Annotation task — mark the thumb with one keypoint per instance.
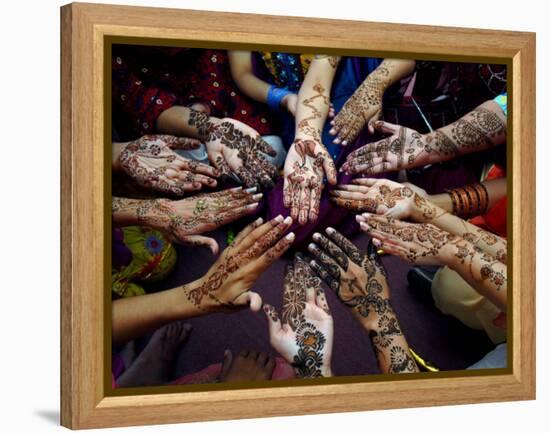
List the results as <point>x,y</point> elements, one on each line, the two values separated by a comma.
<point>365,181</point>
<point>273,322</point>
<point>198,240</point>
<point>249,298</point>
<point>330,169</point>
<point>227,362</point>
<point>373,120</point>
<point>386,127</point>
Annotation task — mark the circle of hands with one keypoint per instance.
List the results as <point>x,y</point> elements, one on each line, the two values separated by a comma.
<point>303,334</point>
<point>153,163</point>
<point>306,164</point>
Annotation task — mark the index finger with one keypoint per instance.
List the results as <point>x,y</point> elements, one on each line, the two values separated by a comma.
<point>293,299</point>
<point>345,244</point>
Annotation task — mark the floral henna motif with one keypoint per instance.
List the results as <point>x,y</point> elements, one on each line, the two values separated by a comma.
<point>364,104</point>
<point>304,125</point>
<point>294,300</point>
<point>361,284</point>
<point>189,216</point>
<point>309,360</point>
<point>401,361</point>
<point>152,163</point>
<point>237,149</point>
<point>388,328</point>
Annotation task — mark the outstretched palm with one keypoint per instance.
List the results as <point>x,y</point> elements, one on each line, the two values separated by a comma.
<point>152,163</point>
<point>304,333</point>
<point>234,147</point>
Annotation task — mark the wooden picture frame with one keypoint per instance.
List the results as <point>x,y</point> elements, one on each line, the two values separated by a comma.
<point>84,188</point>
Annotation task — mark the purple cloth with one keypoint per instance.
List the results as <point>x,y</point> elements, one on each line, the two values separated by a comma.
<point>121,254</point>
<point>441,339</point>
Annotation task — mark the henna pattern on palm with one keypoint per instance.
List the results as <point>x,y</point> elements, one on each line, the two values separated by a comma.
<point>309,359</point>
<point>304,338</point>
<point>304,179</point>
<point>380,198</point>
<point>152,163</point>
<point>235,147</point>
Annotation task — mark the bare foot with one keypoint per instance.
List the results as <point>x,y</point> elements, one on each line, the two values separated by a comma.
<point>155,364</point>
<point>248,366</point>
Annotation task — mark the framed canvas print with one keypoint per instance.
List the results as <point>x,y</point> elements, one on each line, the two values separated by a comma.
<point>270,216</point>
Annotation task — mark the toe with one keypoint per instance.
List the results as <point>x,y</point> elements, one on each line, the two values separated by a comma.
<point>262,358</point>
<point>227,362</point>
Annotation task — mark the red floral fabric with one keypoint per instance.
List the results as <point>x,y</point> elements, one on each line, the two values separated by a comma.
<point>148,80</point>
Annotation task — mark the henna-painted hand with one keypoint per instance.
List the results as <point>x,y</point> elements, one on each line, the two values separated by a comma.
<point>152,163</point>
<point>364,106</point>
<point>385,197</point>
<point>234,147</point>
<point>306,164</point>
<point>184,220</point>
<point>304,334</point>
<point>226,286</point>
<point>358,278</point>
<point>422,244</point>
<point>404,148</point>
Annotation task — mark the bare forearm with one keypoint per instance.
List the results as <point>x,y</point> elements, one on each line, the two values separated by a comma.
<point>241,71</point>
<point>138,315</point>
<point>314,98</point>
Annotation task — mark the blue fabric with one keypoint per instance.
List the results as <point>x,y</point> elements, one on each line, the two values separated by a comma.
<point>494,359</point>
<point>274,97</point>
<point>502,101</point>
